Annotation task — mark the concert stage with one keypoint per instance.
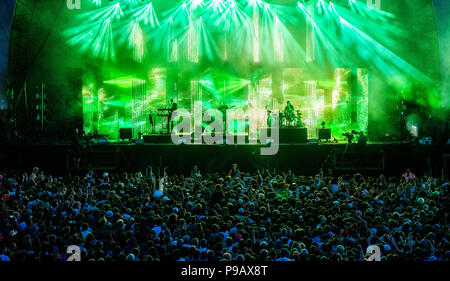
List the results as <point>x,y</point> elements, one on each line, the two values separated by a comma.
<point>302,158</point>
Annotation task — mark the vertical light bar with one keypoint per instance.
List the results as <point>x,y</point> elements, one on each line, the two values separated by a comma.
<point>311,116</point>
<point>100,96</point>
<point>117,128</point>
<point>138,103</point>
<point>137,41</point>
<point>171,43</point>
<point>134,104</point>
<point>341,101</point>
<point>278,41</point>
<point>363,101</point>
<point>264,96</point>
<point>335,95</point>
<point>252,111</point>
<point>193,39</point>
<point>256,36</point>
<point>198,38</point>
<point>310,34</point>
<point>225,48</point>
<point>155,97</point>
<point>196,109</point>
<point>88,111</point>
<point>174,54</point>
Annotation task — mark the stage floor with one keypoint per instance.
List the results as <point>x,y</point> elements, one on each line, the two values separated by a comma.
<point>390,158</point>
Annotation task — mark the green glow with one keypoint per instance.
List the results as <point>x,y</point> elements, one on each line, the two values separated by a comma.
<point>124,82</point>
<point>137,41</point>
<point>97,3</point>
<point>227,52</point>
<point>146,15</point>
<point>363,101</point>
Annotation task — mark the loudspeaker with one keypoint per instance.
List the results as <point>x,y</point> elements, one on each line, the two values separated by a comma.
<point>126,133</point>
<point>324,134</point>
<point>157,138</point>
<point>292,135</point>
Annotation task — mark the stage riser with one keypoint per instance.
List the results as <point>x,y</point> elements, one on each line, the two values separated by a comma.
<point>286,135</point>
<point>293,135</point>
<point>304,159</point>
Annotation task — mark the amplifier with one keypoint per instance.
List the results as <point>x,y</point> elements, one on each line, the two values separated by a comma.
<point>324,133</point>
<point>293,135</point>
<point>126,133</point>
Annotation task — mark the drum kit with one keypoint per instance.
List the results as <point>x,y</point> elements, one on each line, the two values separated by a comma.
<point>287,118</point>
<point>165,113</point>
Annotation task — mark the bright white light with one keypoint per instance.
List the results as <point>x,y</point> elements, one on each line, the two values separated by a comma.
<point>196,3</point>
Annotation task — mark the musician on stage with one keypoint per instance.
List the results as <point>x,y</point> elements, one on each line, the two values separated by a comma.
<point>172,107</point>
<point>289,112</point>
<point>269,117</point>
<point>223,108</point>
<point>150,120</point>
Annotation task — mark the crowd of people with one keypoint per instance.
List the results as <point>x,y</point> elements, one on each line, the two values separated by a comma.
<point>233,216</point>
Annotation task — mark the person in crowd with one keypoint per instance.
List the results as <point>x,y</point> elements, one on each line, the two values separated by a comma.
<point>196,172</point>
<point>262,216</point>
<point>408,175</point>
<point>90,174</point>
<point>234,172</point>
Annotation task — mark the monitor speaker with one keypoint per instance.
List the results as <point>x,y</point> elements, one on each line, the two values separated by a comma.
<point>126,133</point>
<point>293,135</point>
<point>324,134</point>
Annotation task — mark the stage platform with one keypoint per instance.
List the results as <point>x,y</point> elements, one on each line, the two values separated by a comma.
<point>302,158</point>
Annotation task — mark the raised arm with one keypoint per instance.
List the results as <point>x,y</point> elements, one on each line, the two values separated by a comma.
<point>369,239</point>
<point>163,180</point>
<point>361,252</point>
<point>260,178</point>
<point>393,243</point>
<point>152,176</point>
<point>321,175</point>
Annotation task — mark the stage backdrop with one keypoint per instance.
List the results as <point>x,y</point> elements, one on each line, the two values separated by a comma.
<point>348,63</point>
